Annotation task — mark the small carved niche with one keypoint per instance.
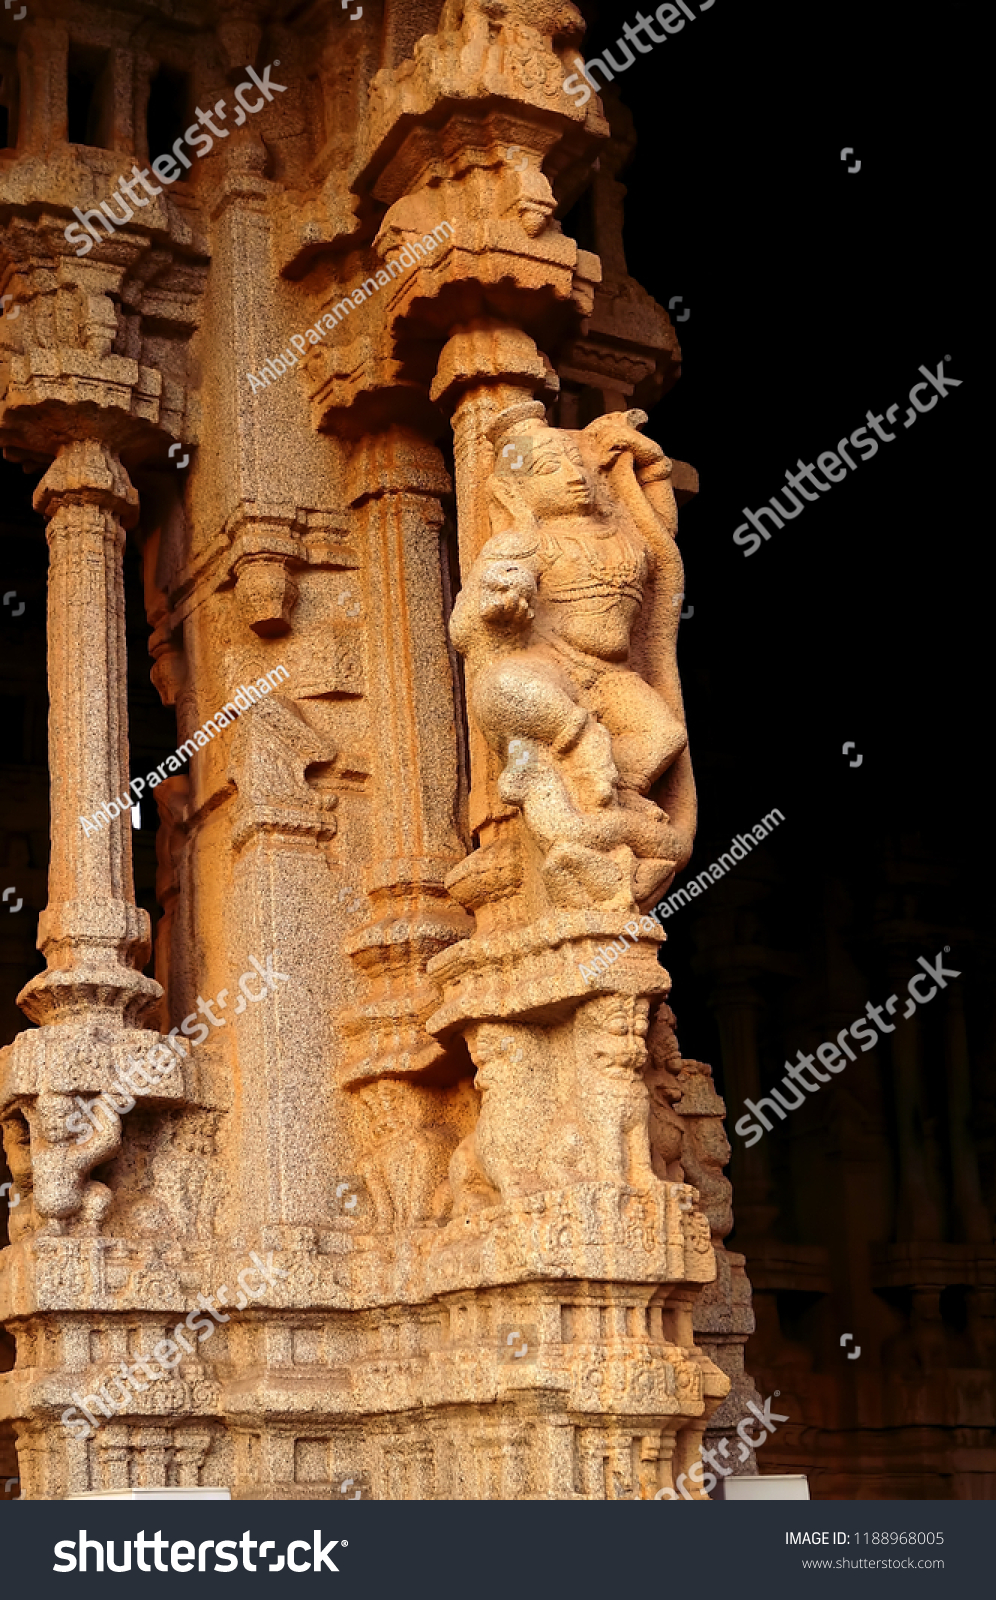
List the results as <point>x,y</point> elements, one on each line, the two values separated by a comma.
<point>89,96</point>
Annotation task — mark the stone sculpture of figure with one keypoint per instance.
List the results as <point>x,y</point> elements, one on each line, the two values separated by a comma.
<point>610,1054</point>
<point>510,1153</point>
<point>405,1164</point>
<point>65,1197</point>
<point>567,624</point>
<point>524,28</point>
<point>21,1217</point>
<point>560,1106</point>
<point>687,1139</point>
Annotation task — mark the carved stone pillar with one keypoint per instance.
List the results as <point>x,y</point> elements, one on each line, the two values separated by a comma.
<point>404,1133</point>
<point>279,826</point>
<point>92,997</point>
<point>688,1140</point>
<point>436,1107</point>
<point>92,934</point>
<point>566,629</point>
<point>91,1000</point>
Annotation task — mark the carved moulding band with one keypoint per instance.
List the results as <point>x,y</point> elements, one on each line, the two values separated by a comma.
<point>76,1058</point>
<point>535,970</point>
<point>590,1232</point>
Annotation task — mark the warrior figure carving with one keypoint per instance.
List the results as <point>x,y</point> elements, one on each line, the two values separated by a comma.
<point>568,627</point>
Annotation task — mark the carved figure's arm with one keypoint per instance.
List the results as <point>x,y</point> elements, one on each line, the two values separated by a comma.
<point>637,474</point>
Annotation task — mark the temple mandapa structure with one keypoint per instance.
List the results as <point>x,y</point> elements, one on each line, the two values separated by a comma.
<point>387,1170</point>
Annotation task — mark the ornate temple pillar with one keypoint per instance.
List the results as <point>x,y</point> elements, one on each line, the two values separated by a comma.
<point>92,998</point>
<point>91,933</point>
<point>279,829</point>
<point>721,1314</point>
<point>533,1223</point>
<point>84,386</point>
<point>404,1134</point>
<point>442,1122</point>
<point>554,1022</point>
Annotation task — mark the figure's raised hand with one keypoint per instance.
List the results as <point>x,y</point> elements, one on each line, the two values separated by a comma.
<point>616,433</point>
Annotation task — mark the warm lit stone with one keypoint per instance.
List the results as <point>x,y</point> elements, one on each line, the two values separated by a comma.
<point>433,1145</point>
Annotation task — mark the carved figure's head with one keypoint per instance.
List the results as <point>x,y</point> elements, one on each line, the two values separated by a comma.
<point>539,474</point>
<point>499,1055</point>
<point>611,1031</point>
<point>51,1113</point>
<point>395,1107</point>
<point>383,1100</point>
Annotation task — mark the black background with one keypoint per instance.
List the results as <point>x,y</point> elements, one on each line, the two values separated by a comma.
<point>815,295</point>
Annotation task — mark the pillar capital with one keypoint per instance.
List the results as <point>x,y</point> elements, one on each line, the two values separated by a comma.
<point>86,472</point>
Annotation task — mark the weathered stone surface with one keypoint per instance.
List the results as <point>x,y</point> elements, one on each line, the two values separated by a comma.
<point>436,1110</point>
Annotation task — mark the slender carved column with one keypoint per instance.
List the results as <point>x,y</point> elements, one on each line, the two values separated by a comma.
<point>405,1138</point>
<point>280,824</point>
<point>91,998</point>
<point>91,932</point>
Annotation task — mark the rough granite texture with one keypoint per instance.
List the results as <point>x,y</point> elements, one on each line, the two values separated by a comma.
<point>461,1122</point>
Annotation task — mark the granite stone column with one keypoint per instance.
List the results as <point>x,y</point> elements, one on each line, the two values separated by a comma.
<point>91,932</point>
<point>91,998</point>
